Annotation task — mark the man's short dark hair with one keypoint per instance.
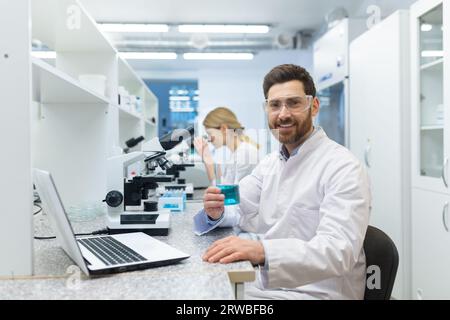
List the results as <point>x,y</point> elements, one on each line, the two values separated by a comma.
<point>288,72</point>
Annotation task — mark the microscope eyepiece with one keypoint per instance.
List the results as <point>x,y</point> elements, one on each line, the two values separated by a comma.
<point>133,142</point>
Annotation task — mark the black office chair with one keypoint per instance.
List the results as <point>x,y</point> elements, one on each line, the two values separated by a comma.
<point>380,251</point>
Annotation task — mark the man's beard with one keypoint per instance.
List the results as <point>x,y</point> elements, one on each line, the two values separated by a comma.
<point>299,134</point>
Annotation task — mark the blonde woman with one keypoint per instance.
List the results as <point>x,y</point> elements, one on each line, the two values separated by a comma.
<point>225,131</point>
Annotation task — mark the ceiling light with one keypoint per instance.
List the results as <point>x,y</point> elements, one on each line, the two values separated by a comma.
<point>148,55</point>
<point>44,54</point>
<point>217,56</point>
<point>133,27</point>
<point>220,28</point>
<point>426,27</point>
<point>432,53</point>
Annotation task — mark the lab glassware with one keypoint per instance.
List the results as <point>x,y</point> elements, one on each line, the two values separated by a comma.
<point>231,193</point>
<point>226,180</point>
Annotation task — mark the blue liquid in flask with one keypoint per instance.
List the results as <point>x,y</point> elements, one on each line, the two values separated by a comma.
<point>231,193</point>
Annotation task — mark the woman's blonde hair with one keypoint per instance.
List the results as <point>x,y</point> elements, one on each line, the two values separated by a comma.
<point>219,116</point>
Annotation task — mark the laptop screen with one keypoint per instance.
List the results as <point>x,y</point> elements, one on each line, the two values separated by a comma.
<point>54,208</point>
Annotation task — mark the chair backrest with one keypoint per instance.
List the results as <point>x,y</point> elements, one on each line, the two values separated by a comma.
<point>381,255</point>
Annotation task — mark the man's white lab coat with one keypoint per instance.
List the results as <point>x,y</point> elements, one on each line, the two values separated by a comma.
<point>311,213</point>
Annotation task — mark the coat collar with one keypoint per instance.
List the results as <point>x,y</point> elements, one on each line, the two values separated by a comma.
<point>312,140</point>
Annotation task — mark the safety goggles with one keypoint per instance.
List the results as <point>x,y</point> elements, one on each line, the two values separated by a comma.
<point>295,104</point>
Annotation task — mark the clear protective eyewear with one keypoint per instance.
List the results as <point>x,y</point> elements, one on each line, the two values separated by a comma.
<point>207,138</point>
<point>295,104</point>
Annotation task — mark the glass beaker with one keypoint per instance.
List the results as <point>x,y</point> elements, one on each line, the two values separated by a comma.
<point>226,181</point>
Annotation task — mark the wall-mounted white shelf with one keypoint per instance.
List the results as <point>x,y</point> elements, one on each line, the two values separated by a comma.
<point>150,123</point>
<point>65,26</point>
<point>435,65</point>
<point>129,79</point>
<point>151,95</point>
<point>150,130</point>
<point>78,120</point>
<point>150,106</point>
<point>134,84</point>
<point>129,115</point>
<point>51,86</point>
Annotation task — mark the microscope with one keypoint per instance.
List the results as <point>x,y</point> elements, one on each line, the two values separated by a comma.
<point>176,145</point>
<point>132,201</point>
<point>133,142</point>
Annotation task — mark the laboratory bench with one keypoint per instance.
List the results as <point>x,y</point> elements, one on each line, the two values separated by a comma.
<point>57,277</point>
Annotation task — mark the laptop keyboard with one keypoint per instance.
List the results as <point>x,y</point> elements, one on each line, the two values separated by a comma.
<point>110,251</point>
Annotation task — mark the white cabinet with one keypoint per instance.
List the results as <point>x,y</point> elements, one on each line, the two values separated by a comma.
<point>380,126</point>
<point>430,133</point>
<point>430,102</point>
<point>430,245</point>
<point>135,119</point>
<point>331,70</point>
<point>69,119</point>
<point>16,227</point>
<point>331,52</point>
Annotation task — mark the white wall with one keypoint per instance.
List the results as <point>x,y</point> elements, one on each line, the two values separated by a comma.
<point>239,90</point>
<point>234,84</point>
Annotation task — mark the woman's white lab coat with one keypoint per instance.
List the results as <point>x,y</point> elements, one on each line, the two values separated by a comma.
<point>238,164</point>
<point>311,213</point>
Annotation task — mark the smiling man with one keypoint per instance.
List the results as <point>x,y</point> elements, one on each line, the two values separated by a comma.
<point>304,210</point>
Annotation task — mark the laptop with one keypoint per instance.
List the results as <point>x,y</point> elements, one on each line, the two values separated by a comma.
<point>101,254</point>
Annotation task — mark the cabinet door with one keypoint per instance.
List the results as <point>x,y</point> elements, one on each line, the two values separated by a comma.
<point>333,112</point>
<point>359,122</point>
<point>430,245</point>
<point>446,67</point>
<point>379,119</point>
<point>429,106</point>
